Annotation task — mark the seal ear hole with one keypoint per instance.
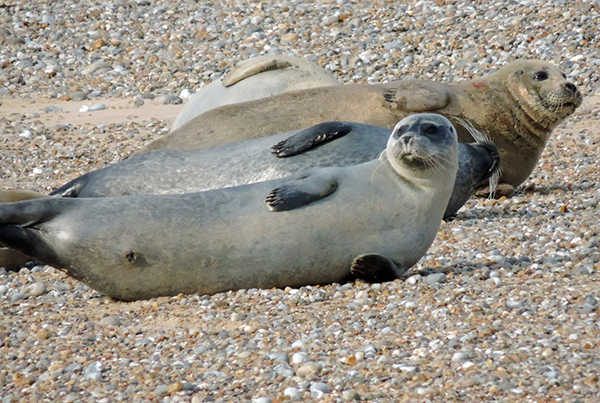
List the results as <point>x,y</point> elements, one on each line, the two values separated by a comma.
<point>540,76</point>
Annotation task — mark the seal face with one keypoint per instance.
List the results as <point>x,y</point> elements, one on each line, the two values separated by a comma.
<point>375,220</point>
<point>516,107</point>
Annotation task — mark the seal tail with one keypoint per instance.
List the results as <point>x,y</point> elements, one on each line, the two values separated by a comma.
<point>71,189</point>
<point>19,227</point>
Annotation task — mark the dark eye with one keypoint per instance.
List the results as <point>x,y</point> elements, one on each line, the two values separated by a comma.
<point>430,129</point>
<point>540,76</point>
<point>400,131</point>
<point>564,76</point>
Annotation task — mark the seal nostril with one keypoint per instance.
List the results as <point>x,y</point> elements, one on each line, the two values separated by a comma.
<point>571,87</point>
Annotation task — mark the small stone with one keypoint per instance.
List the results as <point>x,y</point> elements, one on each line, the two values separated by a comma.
<point>84,108</point>
<point>16,297</point>
<point>26,134</point>
<point>350,395</point>
<point>299,357</point>
<point>262,400</point>
<point>174,387</point>
<point>309,371</point>
<point>160,389</point>
<point>291,392</point>
<point>460,357</point>
<point>110,321</point>
<point>138,102</point>
<point>78,95</point>
<point>317,390</point>
<point>97,107</point>
<point>435,278</point>
<point>35,289</point>
<point>52,109</point>
<point>289,37</point>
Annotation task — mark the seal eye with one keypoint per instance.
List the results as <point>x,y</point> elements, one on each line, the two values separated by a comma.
<point>540,76</point>
<point>430,129</point>
<point>399,131</point>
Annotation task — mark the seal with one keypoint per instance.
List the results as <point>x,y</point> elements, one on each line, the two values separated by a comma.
<point>11,259</point>
<point>372,221</point>
<point>256,78</point>
<point>517,107</point>
<point>326,144</point>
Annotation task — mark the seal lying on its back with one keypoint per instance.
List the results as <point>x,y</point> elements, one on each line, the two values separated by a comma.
<point>310,230</point>
<point>172,171</point>
<point>517,108</point>
<point>256,78</point>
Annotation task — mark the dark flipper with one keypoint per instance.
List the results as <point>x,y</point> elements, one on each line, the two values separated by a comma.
<point>28,242</point>
<point>302,191</point>
<point>310,137</point>
<point>375,268</point>
<point>73,188</point>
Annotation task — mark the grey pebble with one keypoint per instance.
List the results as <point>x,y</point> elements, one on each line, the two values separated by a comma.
<point>34,290</point>
<point>435,278</point>
<point>78,95</point>
<point>16,297</point>
<point>97,107</point>
<point>110,321</point>
<point>317,390</point>
<point>291,392</point>
<point>52,109</point>
<point>350,395</point>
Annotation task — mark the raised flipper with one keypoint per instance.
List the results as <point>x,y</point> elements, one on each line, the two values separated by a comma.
<point>302,191</point>
<point>73,188</point>
<point>375,268</point>
<point>417,96</point>
<point>253,67</point>
<point>310,137</point>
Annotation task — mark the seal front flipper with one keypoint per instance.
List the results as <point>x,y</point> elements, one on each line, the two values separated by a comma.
<point>310,138</point>
<point>375,268</point>
<point>73,188</point>
<point>417,96</point>
<point>302,191</point>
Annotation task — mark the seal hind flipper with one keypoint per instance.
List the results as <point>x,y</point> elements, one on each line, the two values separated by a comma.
<point>29,242</point>
<point>375,268</point>
<point>310,138</point>
<point>301,192</point>
<point>73,188</point>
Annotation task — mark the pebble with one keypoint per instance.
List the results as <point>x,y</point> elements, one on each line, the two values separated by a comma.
<point>110,321</point>
<point>519,301</point>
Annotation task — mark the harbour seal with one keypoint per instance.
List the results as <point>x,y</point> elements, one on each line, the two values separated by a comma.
<point>256,78</point>
<point>11,259</point>
<point>323,145</point>
<point>517,107</point>
<point>373,221</point>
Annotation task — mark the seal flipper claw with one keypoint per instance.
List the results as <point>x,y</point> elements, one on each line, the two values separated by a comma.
<point>311,137</point>
<point>301,192</point>
<point>375,268</point>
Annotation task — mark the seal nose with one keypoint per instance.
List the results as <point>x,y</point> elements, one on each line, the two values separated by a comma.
<point>571,87</point>
<point>407,138</point>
